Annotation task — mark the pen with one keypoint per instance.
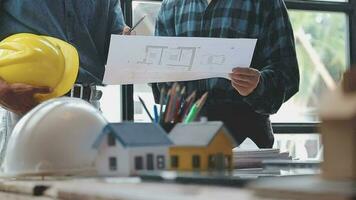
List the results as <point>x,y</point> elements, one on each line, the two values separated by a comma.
<point>137,23</point>
<point>155,110</point>
<point>144,106</point>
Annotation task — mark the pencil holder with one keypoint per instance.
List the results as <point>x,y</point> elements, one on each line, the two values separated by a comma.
<point>168,127</point>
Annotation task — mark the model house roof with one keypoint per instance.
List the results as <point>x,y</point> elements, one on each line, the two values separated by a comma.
<point>135,134</point>
<point>197,134</point>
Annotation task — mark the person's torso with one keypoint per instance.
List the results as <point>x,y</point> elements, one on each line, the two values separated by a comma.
<point>219,19</point>
<point>83,23</point>
<point>224,19</point>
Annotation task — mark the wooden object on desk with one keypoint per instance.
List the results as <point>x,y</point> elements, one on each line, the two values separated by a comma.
<point>303,187</point>
<point>14,196</point>
<point>27,188</point>
<point>338,113</point>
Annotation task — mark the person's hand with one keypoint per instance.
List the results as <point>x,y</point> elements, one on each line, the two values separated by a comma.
<point>18,97</point>
<point>126,31</point>
<point>245,80</point>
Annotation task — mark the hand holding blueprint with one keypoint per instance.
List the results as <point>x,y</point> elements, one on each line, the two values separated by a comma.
<point>148,59</point>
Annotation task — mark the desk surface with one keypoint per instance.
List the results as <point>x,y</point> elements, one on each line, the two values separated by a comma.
<point>292,188</point>
<point>171,186</point>
<point>113,188</point>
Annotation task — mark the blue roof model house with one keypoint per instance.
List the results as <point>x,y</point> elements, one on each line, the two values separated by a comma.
<point>125,148</point>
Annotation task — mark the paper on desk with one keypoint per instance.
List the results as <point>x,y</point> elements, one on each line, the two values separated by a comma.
<point>149,59</point>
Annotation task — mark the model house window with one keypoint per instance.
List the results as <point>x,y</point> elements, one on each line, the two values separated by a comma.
<point>228,162</point>
<point>220,161</point>
<point>160,162</point>
<point>112,164</point>
<point>211,162</point>
<point>111,140</point>
<point>196,161</point>
<point>138,163</point>
<point>150,164</point>
<point>174,161</point>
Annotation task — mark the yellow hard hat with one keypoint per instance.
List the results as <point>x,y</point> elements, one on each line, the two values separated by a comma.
<point>39,61</point>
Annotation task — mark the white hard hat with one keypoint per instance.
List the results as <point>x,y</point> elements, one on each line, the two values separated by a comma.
<point>55,138</point>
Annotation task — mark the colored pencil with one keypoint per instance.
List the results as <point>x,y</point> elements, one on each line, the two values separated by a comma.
<point>174,104</point>
<point>192,114</point>
<point>161,99</point>
<point>196,108</point>
<point>170,104</point>
<point>202,101</point>
<point>189,104</point>
<point>168,98</point>
<point>179,105</point>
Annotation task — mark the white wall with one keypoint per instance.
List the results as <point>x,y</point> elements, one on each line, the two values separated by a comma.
<point>143,151</point>
<point>126,158</point>
<point>122,157</point>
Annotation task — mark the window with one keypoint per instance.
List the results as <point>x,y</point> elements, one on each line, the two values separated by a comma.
<point>211,162</point>
<point>138,163</point>
<point>220,161</point>
<point>160,162</point>
<point>228,163</point>
<point>138,109</point>
<point>196,161</point>
<point>174,161</point>
<point>322,61</point>
<point>112,164</point>
<point>150,164</point>
<point>111,140</point>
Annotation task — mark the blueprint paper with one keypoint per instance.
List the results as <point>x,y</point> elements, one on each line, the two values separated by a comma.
<point>150,59</point>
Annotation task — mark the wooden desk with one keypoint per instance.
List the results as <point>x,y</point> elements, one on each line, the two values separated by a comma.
<point>113,188</point>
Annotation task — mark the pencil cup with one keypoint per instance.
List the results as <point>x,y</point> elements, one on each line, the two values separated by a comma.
<point>168,127</point>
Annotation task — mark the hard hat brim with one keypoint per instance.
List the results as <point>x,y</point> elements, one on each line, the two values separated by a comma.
<point>71,70</point>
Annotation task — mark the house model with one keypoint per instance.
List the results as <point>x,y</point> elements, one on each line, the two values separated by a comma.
<point>338,113</point>
<point>125,148</point>
<point>201,146</point>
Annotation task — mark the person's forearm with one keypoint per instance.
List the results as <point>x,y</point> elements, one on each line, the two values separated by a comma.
<point>278,83</point>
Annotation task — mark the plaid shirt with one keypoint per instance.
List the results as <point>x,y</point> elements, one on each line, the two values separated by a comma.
<point>274,56</point>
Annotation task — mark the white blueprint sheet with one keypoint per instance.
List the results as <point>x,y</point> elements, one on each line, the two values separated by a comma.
<point>149,59</point>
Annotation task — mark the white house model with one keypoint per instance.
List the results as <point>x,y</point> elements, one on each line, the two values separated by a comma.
<point>126,148</point>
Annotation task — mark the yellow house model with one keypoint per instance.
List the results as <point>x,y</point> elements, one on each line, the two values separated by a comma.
<point>201,146</point>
